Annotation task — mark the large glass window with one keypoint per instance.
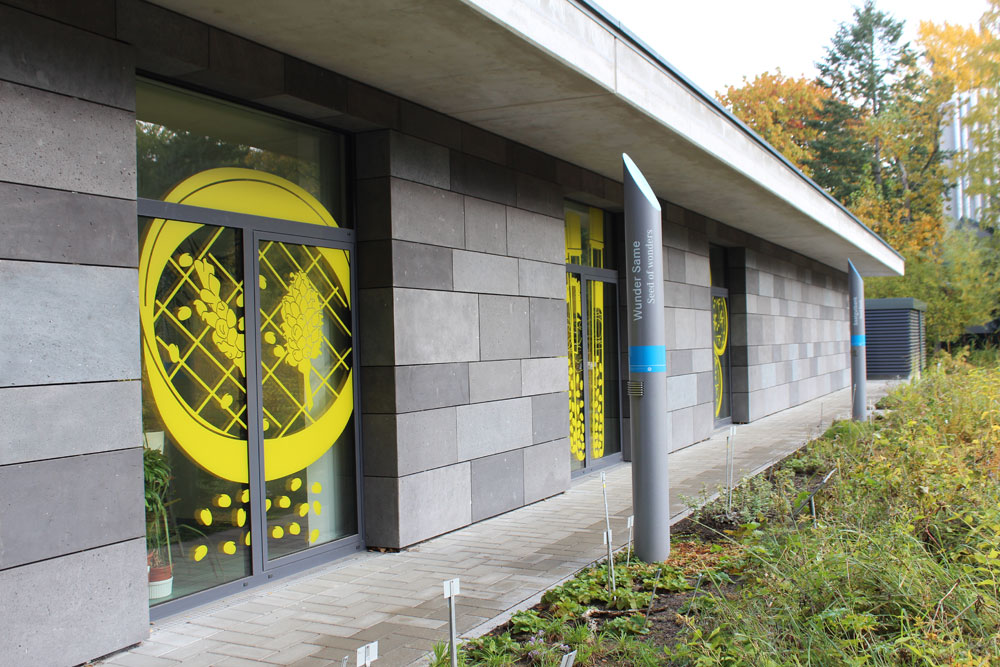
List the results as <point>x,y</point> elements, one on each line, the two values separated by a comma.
<point>589,237</point>
<point>247,343</point>
<point>721,366</point>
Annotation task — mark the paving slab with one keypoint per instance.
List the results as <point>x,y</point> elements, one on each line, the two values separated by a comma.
<point>505,563</point>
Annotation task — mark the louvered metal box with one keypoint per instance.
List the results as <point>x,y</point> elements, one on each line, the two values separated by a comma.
<point>896,339</point>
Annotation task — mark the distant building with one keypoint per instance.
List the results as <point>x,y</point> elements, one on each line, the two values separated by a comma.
<point>960,206</point>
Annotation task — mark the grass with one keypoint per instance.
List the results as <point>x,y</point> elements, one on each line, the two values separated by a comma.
<point>900,566</point>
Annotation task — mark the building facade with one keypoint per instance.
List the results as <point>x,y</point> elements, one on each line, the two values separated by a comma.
<point>350,278</point>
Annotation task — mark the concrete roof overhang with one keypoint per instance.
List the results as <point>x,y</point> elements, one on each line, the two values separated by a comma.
<point>565,79</point>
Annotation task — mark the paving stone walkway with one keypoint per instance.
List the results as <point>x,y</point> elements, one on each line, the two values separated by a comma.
<point>316,618</point>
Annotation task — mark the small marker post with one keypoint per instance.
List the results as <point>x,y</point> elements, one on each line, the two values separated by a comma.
<point>451,590</point>
<point>629,523</point>
<point>568,659</point>
<point>611,561</point>
<point>367,654</point>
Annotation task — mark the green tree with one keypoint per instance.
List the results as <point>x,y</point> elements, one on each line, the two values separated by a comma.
<point>839,157</point>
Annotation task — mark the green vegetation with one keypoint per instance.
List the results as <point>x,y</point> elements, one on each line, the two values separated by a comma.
<point>901,565</point>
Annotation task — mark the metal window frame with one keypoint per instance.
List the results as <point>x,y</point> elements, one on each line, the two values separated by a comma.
<point>256,228</point>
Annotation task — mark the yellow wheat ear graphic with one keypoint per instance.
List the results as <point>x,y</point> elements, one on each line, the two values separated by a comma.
<point>302,328</point>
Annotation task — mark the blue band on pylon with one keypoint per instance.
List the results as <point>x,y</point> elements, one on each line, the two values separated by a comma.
<point>647,358</point>
<point>858,341</point>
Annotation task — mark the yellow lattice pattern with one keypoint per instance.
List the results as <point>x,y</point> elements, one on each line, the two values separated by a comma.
<point>720,341</point>
<point>595,344</point>
<point>574,308</point>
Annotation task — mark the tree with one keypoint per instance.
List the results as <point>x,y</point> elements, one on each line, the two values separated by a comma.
<point>840,160</point>
<point>782,111</point>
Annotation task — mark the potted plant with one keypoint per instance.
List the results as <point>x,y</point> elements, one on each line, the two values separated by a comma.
<point>156,474</point>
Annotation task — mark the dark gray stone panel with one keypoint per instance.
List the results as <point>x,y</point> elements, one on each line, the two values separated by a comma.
<point>430,125</point>
<point>483,179</point>
<point>61,142</point>
<point>45,225</point>
<point>540,196</point>
<point>371,150</point>
<point>374,209</point>
<point>549,417</point>
<point>378,389</point>
<point>68,323</point>
<point>426,440</point>
<point>240,67</point>
<point>381,512</point>
<point>417,160</point>
<point>497,484</point>
<point>527,160</point>
<point>535,236</point>
<point>427,215</point>
<point>55,57</point>
<point>96,16</point>
<point>165,42</point>
<point>50,421</point>
<point>374,264</point>
<point>378,440</point>
<point>546,470</point>
<point>61,506</point>
<point>315,85</point>
<point>503,327</point>
<point>485,226</point>
<point>372,105</point>
<point>486,145</point>
<point>431,386</point>
<point>435,327</point>
<point>420,265</point>
<point>494,380</point>
<point>66,611</point>
<point>375,314</point>
<point>547,320</point>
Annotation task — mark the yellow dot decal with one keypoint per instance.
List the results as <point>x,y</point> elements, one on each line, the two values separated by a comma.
<point>279,351</point>
<point>294,528</point>
<point>222,500</point>
<point>228,547</point>
<point>203,516</point>
<point>185,260</point>
<point>239,301</point>
<point>267,504</point>
<point>173,353</point>
<point>199,552</point>
<point>277,532</point>
<point>302,509</point>
<point>263,282</point>
<point>317,508</point>
<point>284,502</point>
<point>239,517</point>
<point>317,487</point>
<point>266,424</point>
<point>246,539</point>
<point>245,496</point>
<point>294,484</point>
<point>183,313</point>
<point>270,338</point>
<point>226,401</point>
<point>313,535</point>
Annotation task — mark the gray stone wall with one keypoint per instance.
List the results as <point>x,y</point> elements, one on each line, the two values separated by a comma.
<point>72,545</point>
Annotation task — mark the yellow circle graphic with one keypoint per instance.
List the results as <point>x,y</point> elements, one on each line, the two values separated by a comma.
<point>720,325</point>
<point>208,419</point>
<point>717,376</point>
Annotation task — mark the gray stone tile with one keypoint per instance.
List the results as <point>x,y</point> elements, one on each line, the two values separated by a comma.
<point>544,376</point>
<point>427,215</point>
<point>96,157</point>
<point>549,417</point>
<point>240,67</point>
<point>535,236</point>
<point>28,433</point>
<point>434,502</point>
<point>431,386</point>
<point>491,428</point>
<point>493,380</point>
<point>497,484</point>
<point>431,125</point>
<point>47,225</point>
<point>163,41</point>
<point>72,62</point>
<point>484,273</point>
<point>421,266</point>
<point>485,226</point>
<point>417,160</point>
<point>71,323</point>
<point>503,327</point>
<point>541,279</point>
<point>483,144</point>
<point>480,178</point>
<point>547,319</point>
<point>539,195</point>
<point>435,327</point>
<point>96,602</point>
<point>376,319</point>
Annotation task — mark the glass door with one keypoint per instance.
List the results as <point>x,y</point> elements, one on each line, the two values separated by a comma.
<point>595,419</point>
<point>721,373</point>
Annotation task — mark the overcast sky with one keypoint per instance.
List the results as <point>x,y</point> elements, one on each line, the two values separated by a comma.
<point>715,43</point>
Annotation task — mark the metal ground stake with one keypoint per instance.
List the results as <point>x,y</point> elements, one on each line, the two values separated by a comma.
<point>451,590</point>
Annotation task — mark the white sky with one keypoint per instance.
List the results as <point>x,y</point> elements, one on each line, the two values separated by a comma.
<point>715,43</point>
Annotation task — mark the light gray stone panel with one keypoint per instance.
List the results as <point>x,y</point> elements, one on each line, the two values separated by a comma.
<point>485,226</point>
<point>431,386</point>
<point>418,160</point>
<point>503,327</point>
<point>706,387</point>
<point>549,417</point>
<point>435,327</point>
<point>494,380</point>
<point>703,421</point>
<point>680,362</point>
<point>546,470</point>
<point>44,54</point>
<point>497,484</point>
<point>696,269</point>
<point>45,225</point>
<point>51,421</point>
<point>675,265</point>
<point>541,279</point>
<point>382,512</point>
<point>490,428</point>
<point>65,143</point>
<point>63,323</point>
<point>434,502</point>
<point>426,440</point>
<point>69,610</point>
<point>535,236</point>
<point>544,376</point>
<point>421,265</point>
<point>427,215</point>
<point>682,428</point>
<point>682,391</point>
<point>487,274</point>
<point>61,506</point>
<point>375,315</point>
<point>547,319</point>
